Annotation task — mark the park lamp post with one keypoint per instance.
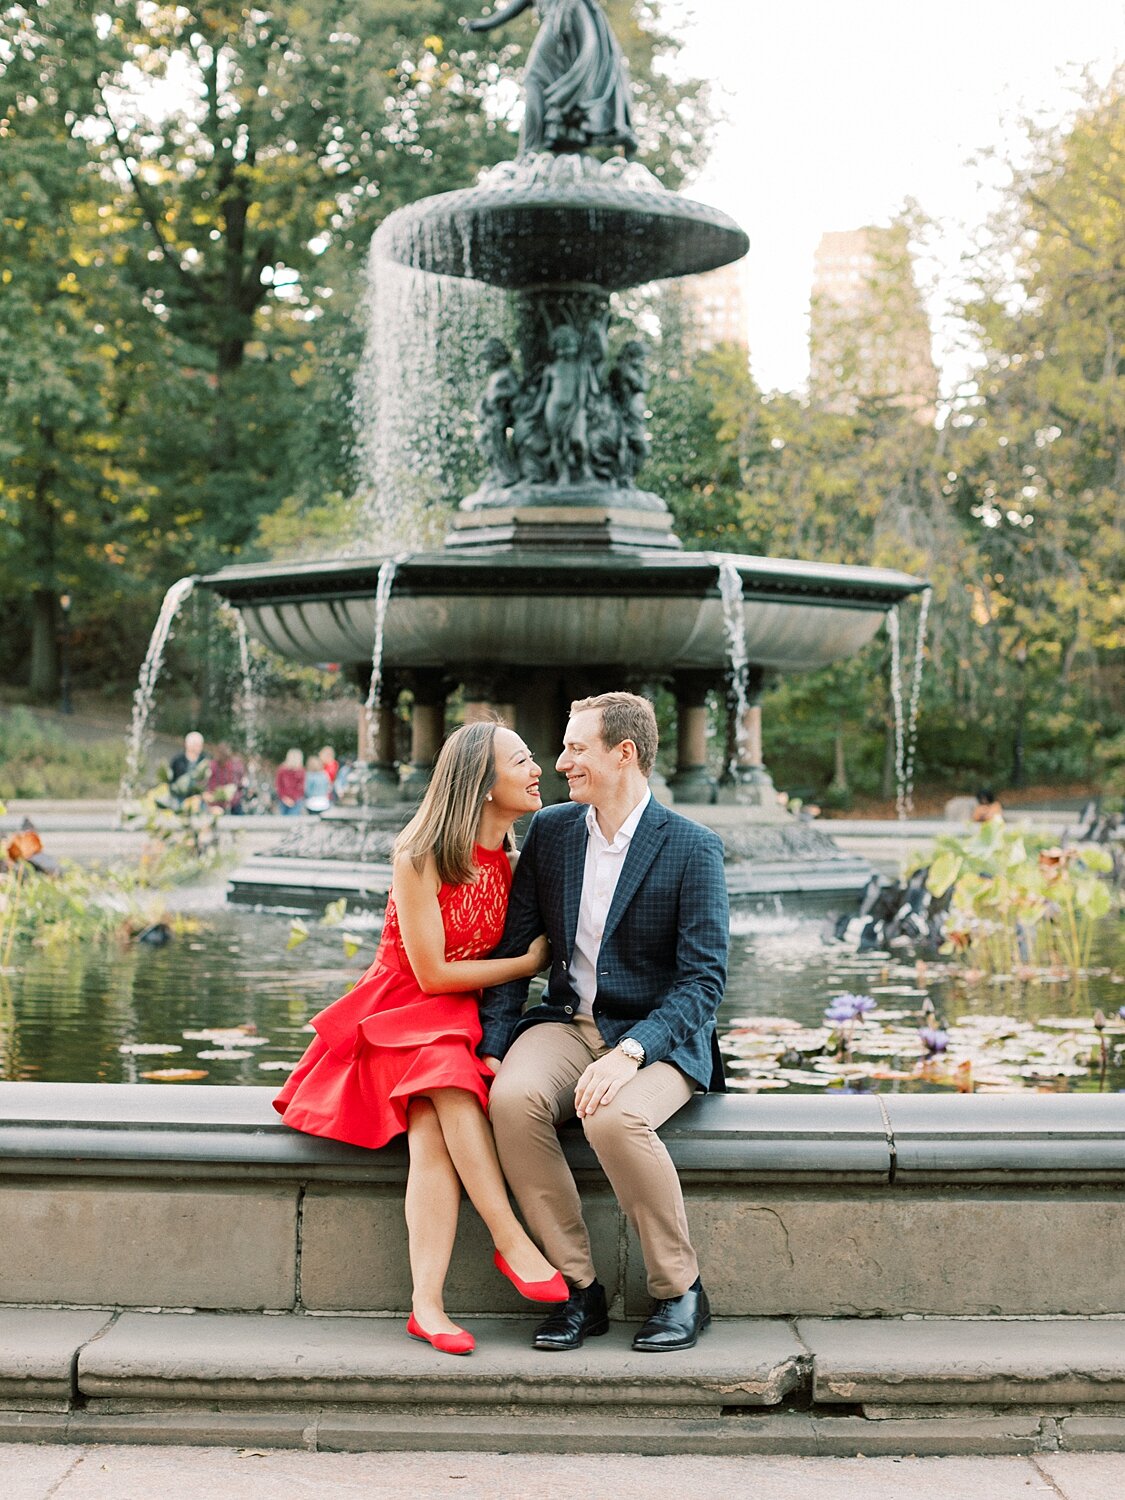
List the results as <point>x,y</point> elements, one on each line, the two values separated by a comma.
<point>64,656</point>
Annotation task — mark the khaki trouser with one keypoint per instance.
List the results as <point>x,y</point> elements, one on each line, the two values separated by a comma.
<point>533,1094</point>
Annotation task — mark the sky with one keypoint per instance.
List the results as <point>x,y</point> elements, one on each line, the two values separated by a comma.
<point>837,111</point>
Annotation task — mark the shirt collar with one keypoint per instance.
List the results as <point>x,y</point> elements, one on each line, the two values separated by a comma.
<point>628,828</point>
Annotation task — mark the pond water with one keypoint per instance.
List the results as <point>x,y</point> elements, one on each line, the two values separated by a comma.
<point>118,1014</point>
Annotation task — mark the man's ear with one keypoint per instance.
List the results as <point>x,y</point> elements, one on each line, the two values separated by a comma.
<point>628,751</point>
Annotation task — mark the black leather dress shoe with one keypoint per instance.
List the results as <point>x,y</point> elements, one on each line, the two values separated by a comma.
<point>675,1322</point>
<point>582,1315</point>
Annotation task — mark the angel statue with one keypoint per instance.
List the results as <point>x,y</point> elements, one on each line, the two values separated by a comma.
<point>576,81</point>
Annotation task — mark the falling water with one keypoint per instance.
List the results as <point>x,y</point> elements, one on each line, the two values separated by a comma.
<point>415,390</point>
<point>734,623</point>
<point>372,707</point>
<point>139,734</point>
<point>247,698</point>
<point>906,716</point>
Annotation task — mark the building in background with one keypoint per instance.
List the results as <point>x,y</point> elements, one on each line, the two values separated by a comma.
<point>869,336</point>
<point>715,309</point>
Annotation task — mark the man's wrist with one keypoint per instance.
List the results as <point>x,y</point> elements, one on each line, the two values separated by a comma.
<point>632,1049</point>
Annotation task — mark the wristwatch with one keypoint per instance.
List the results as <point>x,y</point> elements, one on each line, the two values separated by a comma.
<point>632,1048</point>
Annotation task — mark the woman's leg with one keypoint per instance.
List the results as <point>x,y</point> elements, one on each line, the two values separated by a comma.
<point>468,1139</point>
<point>433,1199</point>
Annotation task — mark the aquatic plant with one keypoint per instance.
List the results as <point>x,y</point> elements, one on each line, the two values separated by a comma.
<point>1017,900</point>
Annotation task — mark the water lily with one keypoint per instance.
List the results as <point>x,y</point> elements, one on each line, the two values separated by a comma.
<point>848,1007</point>
<point>934,1039</point>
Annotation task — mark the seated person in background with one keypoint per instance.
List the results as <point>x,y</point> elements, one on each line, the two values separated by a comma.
<point>289,784</point>
<point>226,780</point>
<point>988,806</point>
<point>318,786</point>
<point>329,763</point>
<point>189,770</point>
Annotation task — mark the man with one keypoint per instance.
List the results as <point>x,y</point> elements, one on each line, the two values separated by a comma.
<point>634,901</point>
<point>189,769</point>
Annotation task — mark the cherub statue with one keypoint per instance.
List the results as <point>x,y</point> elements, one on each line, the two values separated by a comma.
<point>567,385</point>
<point>576,81</point>
<point>629,384</point>
<point>496,414</point>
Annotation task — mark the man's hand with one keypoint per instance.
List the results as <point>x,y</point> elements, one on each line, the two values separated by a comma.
<point>602,1080</point>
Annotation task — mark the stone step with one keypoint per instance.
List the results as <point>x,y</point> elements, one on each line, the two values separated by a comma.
<point>964,1361</point>
<point>822,1386</point>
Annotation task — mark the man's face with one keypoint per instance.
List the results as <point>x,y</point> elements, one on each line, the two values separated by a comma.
<point>193,746</point>
<point>592,771</point>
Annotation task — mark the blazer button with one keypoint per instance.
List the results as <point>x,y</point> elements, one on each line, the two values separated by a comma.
<point>563,965</point>
<point>569,1009</point>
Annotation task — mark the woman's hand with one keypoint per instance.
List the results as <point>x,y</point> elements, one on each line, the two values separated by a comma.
<point>539,954</point>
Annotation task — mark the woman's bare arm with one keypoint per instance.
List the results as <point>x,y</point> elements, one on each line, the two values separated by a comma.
<point>423,935</point>
<point>499,17</point>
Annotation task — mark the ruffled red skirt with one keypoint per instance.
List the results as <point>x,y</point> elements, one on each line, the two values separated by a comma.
<point>381,1045</point>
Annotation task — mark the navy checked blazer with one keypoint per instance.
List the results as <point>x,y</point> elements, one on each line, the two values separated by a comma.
<point>663,960</point>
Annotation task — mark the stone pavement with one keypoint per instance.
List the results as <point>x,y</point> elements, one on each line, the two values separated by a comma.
<point>39,1472</point>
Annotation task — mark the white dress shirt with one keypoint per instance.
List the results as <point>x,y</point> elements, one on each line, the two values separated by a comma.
<point>604,862</point>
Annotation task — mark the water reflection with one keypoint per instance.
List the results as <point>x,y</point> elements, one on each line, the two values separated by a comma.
<point>68,1014</point>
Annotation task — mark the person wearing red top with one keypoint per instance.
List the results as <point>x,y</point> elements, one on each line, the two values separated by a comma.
<point>289,784</point>
<point>399,1051</point>
<point>329,763</point>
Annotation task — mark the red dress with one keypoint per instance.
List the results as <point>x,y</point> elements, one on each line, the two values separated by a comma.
<point>385,1041</point>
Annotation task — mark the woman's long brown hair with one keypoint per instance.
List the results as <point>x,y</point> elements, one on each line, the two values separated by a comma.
<point>446,823</point>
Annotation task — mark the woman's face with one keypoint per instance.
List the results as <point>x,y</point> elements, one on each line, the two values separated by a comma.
<point>516,788</point>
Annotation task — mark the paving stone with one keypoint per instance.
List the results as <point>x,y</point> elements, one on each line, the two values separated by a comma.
<point>33,1472</point>
<point>113,1473</point>
<point>38,1346</point>
<point>1051,1362</point>
<point>1086,1476</point>
<point>207,1356</point>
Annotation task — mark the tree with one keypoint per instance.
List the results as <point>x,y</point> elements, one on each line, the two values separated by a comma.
<point>1039,476</point>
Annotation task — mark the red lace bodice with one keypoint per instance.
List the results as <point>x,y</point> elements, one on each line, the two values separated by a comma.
<point>473,914</point>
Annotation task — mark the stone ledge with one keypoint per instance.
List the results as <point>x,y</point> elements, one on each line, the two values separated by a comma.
<point>921,1141</point>
<point>1050,1363</point>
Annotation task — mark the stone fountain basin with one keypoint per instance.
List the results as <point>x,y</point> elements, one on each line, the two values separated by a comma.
<point>547,220</point>
<point>512,607</point>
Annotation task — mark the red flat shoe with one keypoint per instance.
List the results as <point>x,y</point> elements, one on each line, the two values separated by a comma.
<point>444,1343</point>
<point>555,1290</point>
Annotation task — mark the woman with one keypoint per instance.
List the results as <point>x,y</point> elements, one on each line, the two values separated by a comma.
<point>318,786</point>
<point>289,784</point>
<point>398,1053</point>
<point>576,85</point>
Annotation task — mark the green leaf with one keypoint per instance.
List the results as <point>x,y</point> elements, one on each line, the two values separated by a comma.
<point>298,932</point>
<point>943,872</point>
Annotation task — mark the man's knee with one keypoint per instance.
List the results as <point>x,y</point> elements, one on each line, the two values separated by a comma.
<point>612,1123</point>
<point>513,1098</point>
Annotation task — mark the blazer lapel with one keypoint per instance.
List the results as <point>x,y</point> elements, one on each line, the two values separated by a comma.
<point>573,869</point>
<point>643,849</point>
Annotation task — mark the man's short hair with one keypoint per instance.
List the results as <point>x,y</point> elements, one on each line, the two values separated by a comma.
<point>625,716</point>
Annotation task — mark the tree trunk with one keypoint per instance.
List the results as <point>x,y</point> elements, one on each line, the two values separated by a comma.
<point>839,765</point>
<point>43,666</point>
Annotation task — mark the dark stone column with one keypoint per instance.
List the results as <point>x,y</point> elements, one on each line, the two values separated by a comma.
<point>746,779</point>
<point>427,729</point>
<point>692,782</point>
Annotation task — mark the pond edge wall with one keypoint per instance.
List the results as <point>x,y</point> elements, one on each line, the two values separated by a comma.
<point>174,1196</point>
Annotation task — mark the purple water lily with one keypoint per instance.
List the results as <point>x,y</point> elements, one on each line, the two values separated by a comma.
<point>933,1039</point>
<point>848,1007</point>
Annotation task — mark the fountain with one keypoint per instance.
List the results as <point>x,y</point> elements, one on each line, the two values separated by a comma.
<point>560,575</point>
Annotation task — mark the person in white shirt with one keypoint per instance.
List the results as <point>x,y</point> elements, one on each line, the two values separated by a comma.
<point>633,899</point>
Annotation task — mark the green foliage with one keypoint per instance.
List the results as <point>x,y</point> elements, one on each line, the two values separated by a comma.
<point>1017,902</point>
<point>40,760</point>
